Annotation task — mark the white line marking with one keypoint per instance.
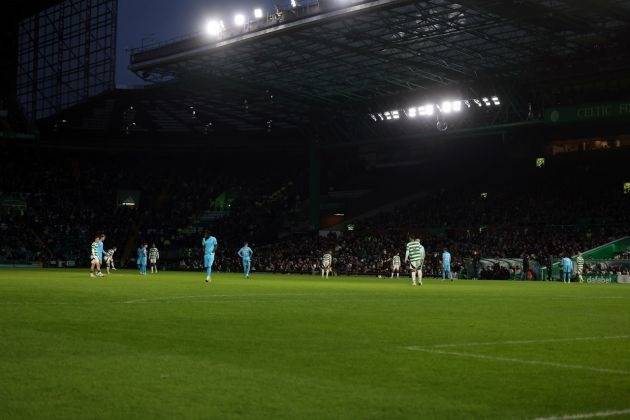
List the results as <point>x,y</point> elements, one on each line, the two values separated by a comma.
<point>198,298</point>
<point>586,297</point>
<point>208,297</point>
<point>522,361</point>
<point>43,303</point>
<point>609,413</point>
<point>540,341</point>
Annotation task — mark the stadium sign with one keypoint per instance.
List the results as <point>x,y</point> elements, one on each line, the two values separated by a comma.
<point>588,112</point>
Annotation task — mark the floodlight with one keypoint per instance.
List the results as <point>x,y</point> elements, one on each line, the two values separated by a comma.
<point>380,116</point>
<point>373,117</point>
<point>457,106</point>
<point>412,112</point>
<point>258,13</point>
<point>293,3</point>
<point>395,114</point>
<point>467,103</point>
<point>495,100</point>
<point>477,101</point>
<point>446,107</point>
<point>486,101</point>
<point>388,115</point>
<point>426,109</point>
<point>239,19</point>
<point>214,27</point>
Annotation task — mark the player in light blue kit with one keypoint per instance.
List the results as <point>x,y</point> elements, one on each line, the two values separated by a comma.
<point>446,265</point>
<point>139,258</point>
<point>246,255</point>
<point>209,247</point>
<point>142,259</point>
<point>567,269</point>
<point>101,250</point>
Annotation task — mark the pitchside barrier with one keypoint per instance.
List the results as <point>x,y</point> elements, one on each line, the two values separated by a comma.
<point>501,269</point>
<point>605,271</point>
<point>595,270</point>
<point>602,264</point>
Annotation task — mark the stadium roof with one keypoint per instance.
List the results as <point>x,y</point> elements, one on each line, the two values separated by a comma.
<point>322,57</point>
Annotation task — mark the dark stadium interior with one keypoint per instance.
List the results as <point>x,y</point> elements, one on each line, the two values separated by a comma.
<point>359,147</point>
<point>290,140</point>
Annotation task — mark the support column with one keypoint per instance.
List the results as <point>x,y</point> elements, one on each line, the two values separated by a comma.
<point>314,174</point>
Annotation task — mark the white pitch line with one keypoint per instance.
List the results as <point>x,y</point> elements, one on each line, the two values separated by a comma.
<point>521,361</point>
<point>161,299</point>
<point>609,413</point>
<point>209,297</point>
<point>539,341</point>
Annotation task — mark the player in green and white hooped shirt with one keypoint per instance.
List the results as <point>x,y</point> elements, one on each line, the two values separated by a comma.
<point>415,256</point>
<point>579,266</point>
<point>326,264</point>
<point>396,266</point>
<point>95,261</point>
<point>154,256</point>
<point>109,259</point>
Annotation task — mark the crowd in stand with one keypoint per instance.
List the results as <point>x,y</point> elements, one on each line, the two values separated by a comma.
<point>50,207</point>
<point>467,236</point>
<point>53,207</point>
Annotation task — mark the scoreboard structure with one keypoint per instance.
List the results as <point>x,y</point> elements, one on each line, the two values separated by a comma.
<point>66,54</point>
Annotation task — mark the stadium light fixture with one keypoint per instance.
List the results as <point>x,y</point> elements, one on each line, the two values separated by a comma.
<point>239,19</point>
<point>258,13</point>
<point>214,27</point>
<point>293,3</point>
<point>425,110</point>
<point>443,108</point>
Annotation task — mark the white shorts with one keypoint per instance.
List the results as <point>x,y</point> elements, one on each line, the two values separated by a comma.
<point>108,259</point>
<point>396,267</point>
<point>326,266</point>
<point>94,259</point>
<point>153,261</point>
<point>416,265</point>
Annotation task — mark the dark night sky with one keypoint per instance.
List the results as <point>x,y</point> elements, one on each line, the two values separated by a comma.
<point>165,19</point>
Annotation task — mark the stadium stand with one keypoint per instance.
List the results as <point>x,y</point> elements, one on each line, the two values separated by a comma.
<point>52,206</point>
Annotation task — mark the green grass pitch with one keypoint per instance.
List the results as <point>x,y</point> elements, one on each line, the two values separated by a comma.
<point>280,346</point>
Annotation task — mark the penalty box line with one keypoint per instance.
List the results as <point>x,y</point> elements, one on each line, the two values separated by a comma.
<point>437,349</point>
<point>521,361</point>
<point>608,413</point>
<point>539,341</point>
